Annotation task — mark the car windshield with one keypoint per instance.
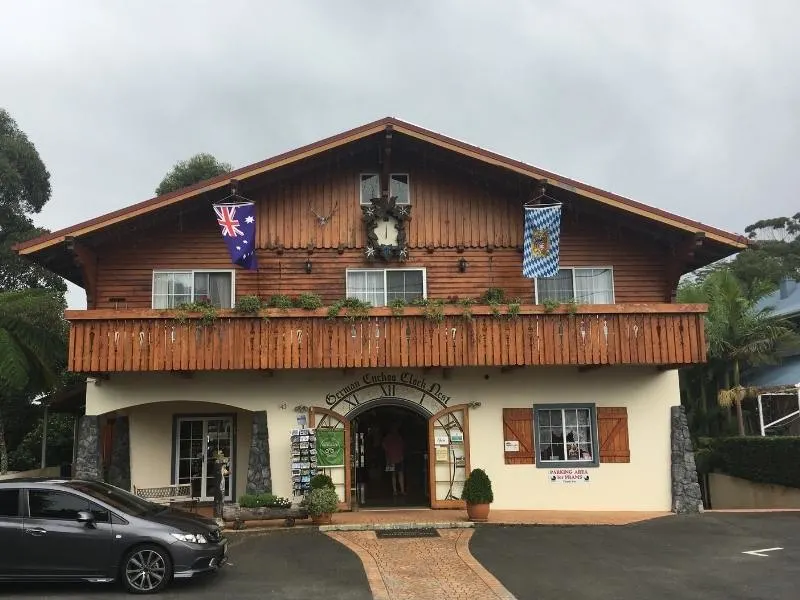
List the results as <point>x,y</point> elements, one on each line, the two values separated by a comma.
<point>116,498</point>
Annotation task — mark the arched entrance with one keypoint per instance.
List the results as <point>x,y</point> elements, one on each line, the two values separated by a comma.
<point>444,456</point>
<point>390,456</point>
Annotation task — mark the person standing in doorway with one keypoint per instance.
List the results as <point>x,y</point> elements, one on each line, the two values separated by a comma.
<point>394,448</point>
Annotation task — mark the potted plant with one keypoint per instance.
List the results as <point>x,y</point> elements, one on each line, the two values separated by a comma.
<point>322,503</point>
<point>478,495</point>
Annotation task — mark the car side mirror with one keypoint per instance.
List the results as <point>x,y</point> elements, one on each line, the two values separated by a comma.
<point>84,516</point>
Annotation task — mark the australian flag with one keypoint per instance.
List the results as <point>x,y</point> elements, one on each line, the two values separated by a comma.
<point>542,240</point>
<point>238,224</point>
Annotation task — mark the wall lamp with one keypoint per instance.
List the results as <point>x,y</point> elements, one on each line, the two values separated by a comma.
<point>462,264</point>
<point>308,266</point>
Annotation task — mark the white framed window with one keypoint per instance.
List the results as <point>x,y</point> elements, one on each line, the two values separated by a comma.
<point>380,286</point>
<point>584,285</point>
<point>399,187</point>
<point>173,288</point>
<point>566,435</point>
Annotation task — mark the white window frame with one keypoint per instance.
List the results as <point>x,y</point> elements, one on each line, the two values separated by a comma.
<point>361,198</point>
<point>385,287</point>
<point>192,273</point>
<point>204,419</point>
<point>593,434</point>
<point>574,286</point>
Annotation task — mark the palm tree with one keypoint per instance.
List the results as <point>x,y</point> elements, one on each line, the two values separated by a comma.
<point>32,348</point>
<point>737,333</point>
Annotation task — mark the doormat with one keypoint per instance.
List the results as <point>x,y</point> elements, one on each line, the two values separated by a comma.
<point>406,533</point>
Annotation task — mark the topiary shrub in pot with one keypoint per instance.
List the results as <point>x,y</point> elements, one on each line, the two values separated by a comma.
<point>321,481</point>
<point>322,502</point>
<point>478,495</point>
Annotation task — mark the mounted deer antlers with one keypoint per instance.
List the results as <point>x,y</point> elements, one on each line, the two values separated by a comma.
<point>321,219</point>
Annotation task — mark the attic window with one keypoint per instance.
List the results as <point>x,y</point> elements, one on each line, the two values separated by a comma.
<point>398,187</point>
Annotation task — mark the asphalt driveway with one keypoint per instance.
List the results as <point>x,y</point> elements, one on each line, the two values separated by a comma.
<point>281,565</point>
<point>688,557</point>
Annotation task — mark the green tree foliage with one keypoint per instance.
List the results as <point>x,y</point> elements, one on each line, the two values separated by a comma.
<point>773,255</point>
<point>25,181</point>
<point>24,189</point>
<point>188,172</point>
<point>738,335</point>
<point>32,351</point>
<point>33,332</point>
<point>26,454</point>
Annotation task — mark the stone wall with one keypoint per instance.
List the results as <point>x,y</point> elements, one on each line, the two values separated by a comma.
<point>259,474</point>
<point>686,497</point>
<point>119,470</point>
<point>87,455</point>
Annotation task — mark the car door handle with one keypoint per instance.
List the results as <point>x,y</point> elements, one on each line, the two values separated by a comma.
<point>36,531</point>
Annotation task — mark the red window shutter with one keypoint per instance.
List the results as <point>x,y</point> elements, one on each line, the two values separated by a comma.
<point>612,434</point>
<point>518,426</point>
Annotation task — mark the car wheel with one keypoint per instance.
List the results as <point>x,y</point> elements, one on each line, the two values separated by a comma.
<point>146,570</point>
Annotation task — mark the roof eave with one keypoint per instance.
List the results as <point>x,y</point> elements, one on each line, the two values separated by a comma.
<point>733,241</point>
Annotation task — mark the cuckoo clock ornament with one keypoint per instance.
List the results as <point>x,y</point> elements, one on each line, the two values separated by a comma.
<point>385,224</point>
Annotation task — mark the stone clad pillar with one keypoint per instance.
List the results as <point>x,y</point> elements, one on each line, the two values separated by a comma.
<point>686,496</point>
<point>119,471</point>
<point>259,474</point>
<point>87,455</point>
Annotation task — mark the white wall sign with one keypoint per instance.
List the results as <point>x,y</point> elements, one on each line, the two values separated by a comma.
<point>441,439</point>
<point>568,475</point>
<point>511,446</point>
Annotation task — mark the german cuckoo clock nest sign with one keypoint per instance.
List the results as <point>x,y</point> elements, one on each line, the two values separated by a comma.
<point>385,223</point>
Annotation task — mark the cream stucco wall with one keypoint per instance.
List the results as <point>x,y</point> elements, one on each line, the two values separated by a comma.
<point>642,484</point>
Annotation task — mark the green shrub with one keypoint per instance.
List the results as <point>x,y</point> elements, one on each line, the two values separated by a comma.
<point>280,301</point>
<point>320,481</point>
<point>322,501</point>
<point>248,305</point>
<point>204,306</point>
<point>704,460</point>
<point>433,310</point>
<point>493,295</point>
<point>353,308</point>
<point>308,301</point>
<point>397,305</point>
<point>760,459</point>
<point>477,488</point>
<point>550,305</point>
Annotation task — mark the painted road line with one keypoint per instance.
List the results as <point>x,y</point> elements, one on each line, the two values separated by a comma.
<point>761,552</point>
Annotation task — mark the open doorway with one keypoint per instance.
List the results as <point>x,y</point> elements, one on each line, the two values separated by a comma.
<point>381,436</point>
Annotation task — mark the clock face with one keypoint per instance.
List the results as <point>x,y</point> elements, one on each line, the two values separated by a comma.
<point>386,231</point>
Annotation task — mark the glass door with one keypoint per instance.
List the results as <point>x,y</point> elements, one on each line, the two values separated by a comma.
<point>448,457</point>
<point>199,439</point>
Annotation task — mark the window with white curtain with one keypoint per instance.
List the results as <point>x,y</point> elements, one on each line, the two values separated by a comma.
<point>380,286</point>
<point>584,285</point>
<point>173,288</point>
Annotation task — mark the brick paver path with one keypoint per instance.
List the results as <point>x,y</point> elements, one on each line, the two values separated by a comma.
<point>423,568</point>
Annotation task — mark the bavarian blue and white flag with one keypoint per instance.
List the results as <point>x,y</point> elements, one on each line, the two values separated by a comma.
<point>542,240</point>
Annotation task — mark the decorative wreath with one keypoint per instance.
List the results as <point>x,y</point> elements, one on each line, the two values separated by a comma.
<point>377,210</point>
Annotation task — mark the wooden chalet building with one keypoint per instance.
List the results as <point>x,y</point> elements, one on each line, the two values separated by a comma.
<point>568,379</point>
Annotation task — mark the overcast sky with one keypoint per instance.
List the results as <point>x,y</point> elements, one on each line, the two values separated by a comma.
<point>688,106</point>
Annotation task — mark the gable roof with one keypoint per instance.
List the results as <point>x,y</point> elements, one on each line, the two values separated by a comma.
<point>734,241</point>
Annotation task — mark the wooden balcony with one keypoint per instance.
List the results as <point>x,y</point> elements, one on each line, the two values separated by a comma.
<point>105,341</point>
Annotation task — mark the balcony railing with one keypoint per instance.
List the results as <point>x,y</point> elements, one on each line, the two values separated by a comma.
<point>103,341</point>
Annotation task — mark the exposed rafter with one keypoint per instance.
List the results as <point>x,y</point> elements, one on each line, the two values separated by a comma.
<point>86,260</point>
